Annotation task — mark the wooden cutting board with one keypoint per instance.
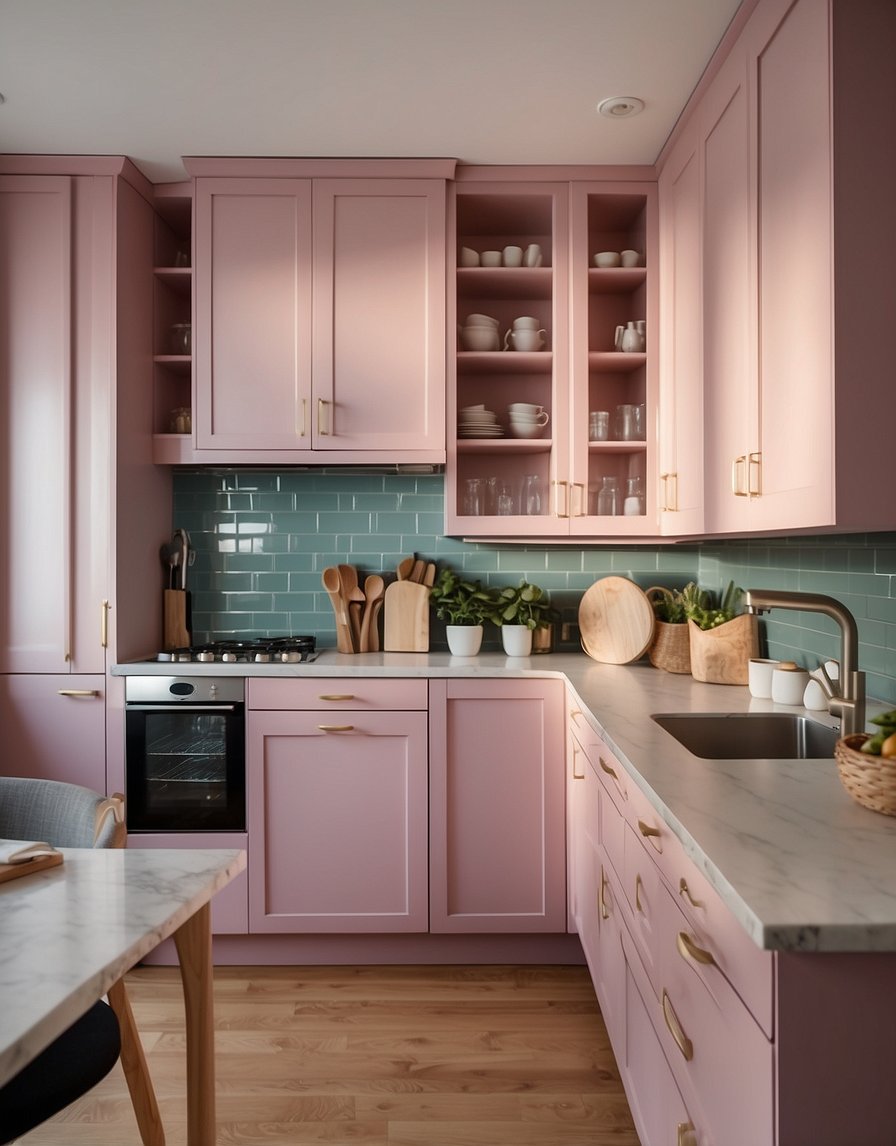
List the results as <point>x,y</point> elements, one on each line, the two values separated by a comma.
<point>406,618</point>
<point>616,621</point>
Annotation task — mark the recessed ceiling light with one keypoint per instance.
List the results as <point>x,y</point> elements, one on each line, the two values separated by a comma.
<point>618,107</point>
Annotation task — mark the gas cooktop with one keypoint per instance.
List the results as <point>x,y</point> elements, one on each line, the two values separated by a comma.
<point>255,650</point>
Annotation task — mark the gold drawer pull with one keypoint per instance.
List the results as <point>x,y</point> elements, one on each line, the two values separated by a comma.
<point>688,949</point>
<point>654,835</point>
<point>602,898</point>
<point>336,727</point>
<point>605,767</point>
<point>575,755</point>
<point>685,1136</point>
<point>682,1041</point>
<point>685,891</point>
<point>337,696</point>
<point>78,692</point>
<point>639,883</point>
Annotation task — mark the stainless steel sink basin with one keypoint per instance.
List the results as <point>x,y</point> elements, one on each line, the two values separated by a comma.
<point>750,735</point>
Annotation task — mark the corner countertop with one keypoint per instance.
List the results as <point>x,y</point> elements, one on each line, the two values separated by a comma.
<point>798,862</point>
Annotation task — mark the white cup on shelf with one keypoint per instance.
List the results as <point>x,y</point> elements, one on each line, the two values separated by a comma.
<point>512,256</point>
<point>490,259</point>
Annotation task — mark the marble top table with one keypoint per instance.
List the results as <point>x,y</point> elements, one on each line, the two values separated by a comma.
<point>68,933</point>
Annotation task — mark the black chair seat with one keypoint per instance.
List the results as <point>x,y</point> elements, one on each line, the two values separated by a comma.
<point>73,1063</point>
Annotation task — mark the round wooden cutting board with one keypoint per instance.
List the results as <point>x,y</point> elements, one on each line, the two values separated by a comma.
<point>615,621</point>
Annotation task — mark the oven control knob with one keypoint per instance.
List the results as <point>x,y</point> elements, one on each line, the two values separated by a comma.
<point>184,657</point>
<point>205,656</point>
<point>212,691</point>
<point>228,658</point>
<point>290,657</point>
<point>262,658</point>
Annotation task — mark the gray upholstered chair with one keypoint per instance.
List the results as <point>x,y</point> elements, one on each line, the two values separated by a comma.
<point>69,816</point>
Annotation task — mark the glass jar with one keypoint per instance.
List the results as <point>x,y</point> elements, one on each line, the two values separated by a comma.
<point>599,425</point>
<point>180,421</point>
<point>606,497</point>
<point>634,497</point>
<point>182,338</point>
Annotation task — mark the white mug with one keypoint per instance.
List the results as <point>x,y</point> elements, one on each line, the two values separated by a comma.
<point>490,259</point>
<point>469,257</point>
<point>525,340</point>
<point>532,255</point>
<point>760,672</point>
<point>525,323</point>
<point>541,418</point>
<point>524,408</point>
<point>512,256</point>
<point>481,320</point>
<point>630,258</point>
<point>789,685</point>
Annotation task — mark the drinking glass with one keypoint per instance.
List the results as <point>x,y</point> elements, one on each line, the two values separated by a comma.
<point>625,423</point>
<point>598,425</point>
<point>474,494</point>
<point>530,495</point>
<point>606,497</point>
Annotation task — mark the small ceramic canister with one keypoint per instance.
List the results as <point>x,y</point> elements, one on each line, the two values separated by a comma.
<point>760,677</point>
<point>789,685</point>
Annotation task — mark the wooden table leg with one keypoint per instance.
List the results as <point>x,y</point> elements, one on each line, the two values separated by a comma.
<point>193,940</point>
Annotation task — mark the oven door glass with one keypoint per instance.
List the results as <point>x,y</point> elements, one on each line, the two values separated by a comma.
<point>186,768</point>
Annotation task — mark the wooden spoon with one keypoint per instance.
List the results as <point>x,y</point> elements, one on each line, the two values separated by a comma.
<point>417,572</point>
<point>348,580</point>
<point>374,589</point>
<point>331,582</point>
<point>405,568</point>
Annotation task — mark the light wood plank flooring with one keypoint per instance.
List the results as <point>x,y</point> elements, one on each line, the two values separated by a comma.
<point>376,1056</point>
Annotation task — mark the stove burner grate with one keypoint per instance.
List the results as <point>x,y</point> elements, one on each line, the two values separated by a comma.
<point>255,650</point>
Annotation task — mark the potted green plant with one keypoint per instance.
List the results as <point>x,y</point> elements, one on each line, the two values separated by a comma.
<point>722,638</point>
<point>518,611</point>
<point>463,605</point>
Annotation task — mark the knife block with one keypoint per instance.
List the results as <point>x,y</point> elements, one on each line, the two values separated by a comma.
<point>406,613</point>
<point>175,621</point>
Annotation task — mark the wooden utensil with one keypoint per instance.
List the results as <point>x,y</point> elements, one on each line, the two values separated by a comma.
<point>405,568</point>
<point>354,597</point>
<point>374,588</point>
<point>616,621</point>
<point>417,572</point>
<point>429,577</point>
<point>406,627</point>
<point>331,583</point>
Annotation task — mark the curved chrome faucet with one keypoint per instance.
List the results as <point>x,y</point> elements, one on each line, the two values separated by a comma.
<point>850,705</point>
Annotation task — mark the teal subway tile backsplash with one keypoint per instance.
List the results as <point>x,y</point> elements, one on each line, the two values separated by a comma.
<point>263,538</point>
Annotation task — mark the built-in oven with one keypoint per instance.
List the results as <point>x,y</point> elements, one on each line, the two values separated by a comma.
<point>185,757</point>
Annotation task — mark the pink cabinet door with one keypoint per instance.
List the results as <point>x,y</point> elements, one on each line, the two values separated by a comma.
<point>54,727</point>
<point>379,314</point>
<point>681,364</point>
<point>337,821</point>
<point>36,380</point>
<point>252,322</point>
<point>497,838</point>
<point>728,301</point>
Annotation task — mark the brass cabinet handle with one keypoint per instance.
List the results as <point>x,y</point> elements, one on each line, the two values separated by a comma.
<point>736,474</point>
<point>321,403</point>
<point>104,624</point>
<point>302,424</point>
<point>336,727</point>
<point>78,693</point>
<point>754,465</point>
<point>654,835</point>
<point>565,485</point>
<point>605,767</point>
<point>336,696</point>
<point>676,1030</point>
<point>639,883</point>
<point>602,897</point>
<point>670,481</point>
<point>580,486</point>
<point>685,1135</point>
<point>688,949</point>
<point>685,891</point>
<point>575,774</point>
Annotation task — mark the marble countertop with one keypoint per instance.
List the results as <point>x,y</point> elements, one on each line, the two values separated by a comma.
<point>798,862</point>
<point>70,932</point>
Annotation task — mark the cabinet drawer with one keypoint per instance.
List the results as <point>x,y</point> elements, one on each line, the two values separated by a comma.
<point>722,1063</point>
<point>643,889</point>
<point>356,693</point>
<point>709,923</point>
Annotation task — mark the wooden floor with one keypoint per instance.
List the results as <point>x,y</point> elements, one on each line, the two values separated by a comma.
<point>404,1056</point>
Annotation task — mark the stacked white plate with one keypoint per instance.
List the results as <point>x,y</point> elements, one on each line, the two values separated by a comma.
<point>477,422</point>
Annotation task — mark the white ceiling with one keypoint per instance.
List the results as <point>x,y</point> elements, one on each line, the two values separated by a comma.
<point>485,81</point>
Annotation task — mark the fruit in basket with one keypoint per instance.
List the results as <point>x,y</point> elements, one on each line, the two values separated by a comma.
<point>882,743</point>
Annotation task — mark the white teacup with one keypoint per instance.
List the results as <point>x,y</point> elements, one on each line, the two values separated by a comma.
<point>469,257</point>
<point>607,259</point>
<point>525,340</point>
<point>532,255</point>
<point>524,409</point>
<point>789,685</point>
<point>481,320</point>
<point>480,338</point>
<point>630,258</point>
<point>526,323</point>
<point>526,429</point>
<point>490,259</point>
<point>512,256</point>
<point>760,672</point>
<point>540,417</point>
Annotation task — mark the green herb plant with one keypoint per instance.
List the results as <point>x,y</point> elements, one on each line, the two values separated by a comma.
<point>460,602</point>
<point>692,603</point>
<point>522,604</point>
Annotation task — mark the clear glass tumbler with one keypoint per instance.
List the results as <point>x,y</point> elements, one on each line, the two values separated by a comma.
<point>530,495</point>
<point>607,497</point>
<point>598,425</point>
<point>473,497</point>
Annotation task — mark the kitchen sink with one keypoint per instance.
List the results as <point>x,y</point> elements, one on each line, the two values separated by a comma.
<point>750,735</point>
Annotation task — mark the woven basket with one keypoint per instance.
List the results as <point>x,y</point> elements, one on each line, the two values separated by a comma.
<point>870,780</point>
<point>670,648</point>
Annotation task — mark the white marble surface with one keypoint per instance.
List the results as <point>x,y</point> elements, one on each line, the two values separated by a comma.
<point>798,862</point>
<point>69,932</point>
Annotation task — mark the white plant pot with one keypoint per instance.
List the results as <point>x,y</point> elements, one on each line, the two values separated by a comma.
<point>517,640</point>
<point>464,640</point>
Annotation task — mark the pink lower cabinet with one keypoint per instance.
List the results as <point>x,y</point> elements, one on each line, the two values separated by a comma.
<point>54,727</point>
<point>337,820</point>
<point>497,815</point>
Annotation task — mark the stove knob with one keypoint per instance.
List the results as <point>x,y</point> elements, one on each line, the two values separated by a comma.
<point>165,657</point>
<point>184,657</point>
<point>262,658</point>
<point>290,657</point>
<point>205,657</point>
<point>228,658</point>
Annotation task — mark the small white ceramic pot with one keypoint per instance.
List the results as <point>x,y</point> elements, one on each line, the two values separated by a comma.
<point>517,640</point>
<point>464,640</point>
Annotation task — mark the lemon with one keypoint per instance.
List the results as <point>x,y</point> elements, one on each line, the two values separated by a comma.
<point>888,748</point>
